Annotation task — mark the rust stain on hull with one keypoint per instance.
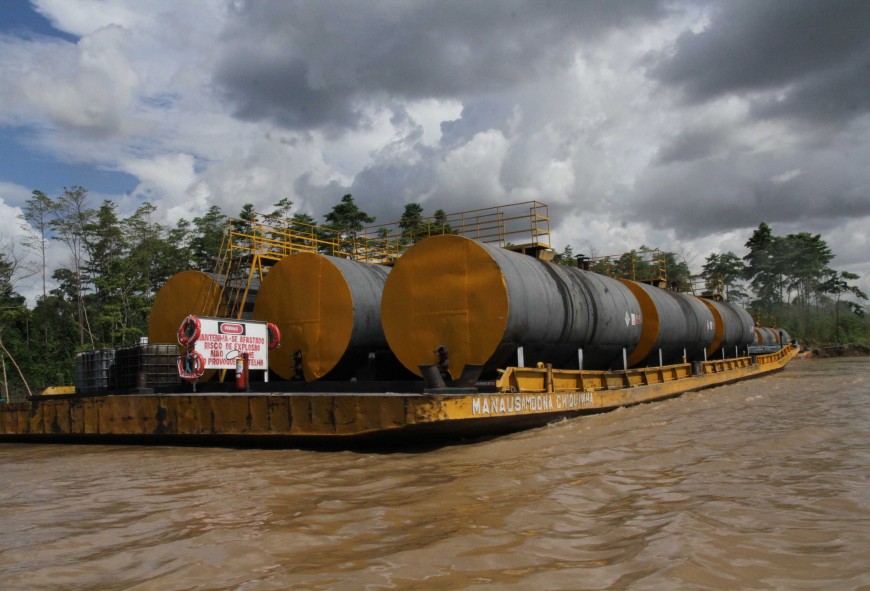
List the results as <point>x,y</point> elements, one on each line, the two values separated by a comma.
<point>527,397</point>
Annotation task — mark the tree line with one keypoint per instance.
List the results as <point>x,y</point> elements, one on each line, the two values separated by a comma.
<point>113,266</point>
<point>788,280</point>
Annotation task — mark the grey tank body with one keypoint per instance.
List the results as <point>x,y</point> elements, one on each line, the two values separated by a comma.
<point>685,325</point>
<point>738,328</point>
<point>554,310</point>
<point>366,284</point>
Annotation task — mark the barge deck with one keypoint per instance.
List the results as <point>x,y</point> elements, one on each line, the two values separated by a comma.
<point>524,398</point>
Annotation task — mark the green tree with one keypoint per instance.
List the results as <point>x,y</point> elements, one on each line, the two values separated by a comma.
<point>672,267</point>
<point>70,217</point>
<point>104,270</point>
<point>411,224</point>
<point>566,257</point>
<point>181,237</point>
<point>11,303</point>
<point>346,219</point>
<point>244,229</point>
<point>37,214</point>
<point>150,259</point>
<point>281,210</point>
<point>837,283</point>
<point>51,361</point>
<point>439,224</point>
<point>764,270</point>
<point>279,235</point>
<point>792,284</point>
<point>725,270</point>
<point>104,243</point>
<point>638,265</point>
<point>207,236</point>
<point>13,317</point>
<point>305,232</point>
<point>129,259</point>
<point>154,254</point>
<point>804,264</point>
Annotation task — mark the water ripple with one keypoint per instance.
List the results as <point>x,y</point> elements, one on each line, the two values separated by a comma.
<point>757,485</point>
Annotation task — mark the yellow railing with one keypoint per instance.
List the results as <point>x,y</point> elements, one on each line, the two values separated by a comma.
<point>251,245</point>
<point>514,225</point>
<point>547,379</point>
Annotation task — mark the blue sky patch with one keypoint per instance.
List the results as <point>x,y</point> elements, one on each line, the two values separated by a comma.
<point>20,20</point>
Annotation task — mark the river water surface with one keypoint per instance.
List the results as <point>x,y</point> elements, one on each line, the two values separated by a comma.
<point>759,485</point>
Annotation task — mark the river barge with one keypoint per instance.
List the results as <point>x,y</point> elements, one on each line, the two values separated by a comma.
<point>522,398</point>
<point>453,337</point>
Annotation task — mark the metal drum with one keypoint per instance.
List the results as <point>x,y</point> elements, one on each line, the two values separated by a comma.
<point>674,324</point>
<point>188,292</point>
<point>769,340</point>
<point>765,337</point>
<point>483,302</point>
<point>328,311</point>
<point>734,328</point>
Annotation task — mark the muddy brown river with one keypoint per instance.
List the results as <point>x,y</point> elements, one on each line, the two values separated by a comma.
<point>763,484</point>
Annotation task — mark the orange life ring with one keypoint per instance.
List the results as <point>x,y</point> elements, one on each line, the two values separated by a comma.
<point>189,330</point>
<point>274,336</point>
<point>195,369</point>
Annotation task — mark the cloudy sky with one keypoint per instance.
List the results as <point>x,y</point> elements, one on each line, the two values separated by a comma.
<point>680,125</point>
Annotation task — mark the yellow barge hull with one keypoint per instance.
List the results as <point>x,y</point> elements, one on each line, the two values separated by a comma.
<point>525,397</point>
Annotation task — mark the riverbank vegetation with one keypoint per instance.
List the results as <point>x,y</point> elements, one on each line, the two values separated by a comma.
<point>99,292</point>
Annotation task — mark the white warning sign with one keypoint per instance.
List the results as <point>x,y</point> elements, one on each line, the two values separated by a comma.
<point>222,340</point>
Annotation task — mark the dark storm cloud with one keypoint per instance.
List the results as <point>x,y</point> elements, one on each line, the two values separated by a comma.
<point>307,64</point>
<point>278,85</point>
<point>838,94</point>
<point>386,187</point>
<point>700,197</point>
<point>477,116</point>
<point>381,190</point>
<point>801,69</point>
<point>692,144</point>
<point>318,198</point>
<point>802,58</point>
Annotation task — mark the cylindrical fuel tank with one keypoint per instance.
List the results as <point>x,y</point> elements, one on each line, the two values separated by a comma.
<point>765,337</point>
<point>327,308</point>
<point>784,337</point>
<point>734,328</point>
<point>673,322</point>
<point>188,292</point>
<point>482,302</point>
